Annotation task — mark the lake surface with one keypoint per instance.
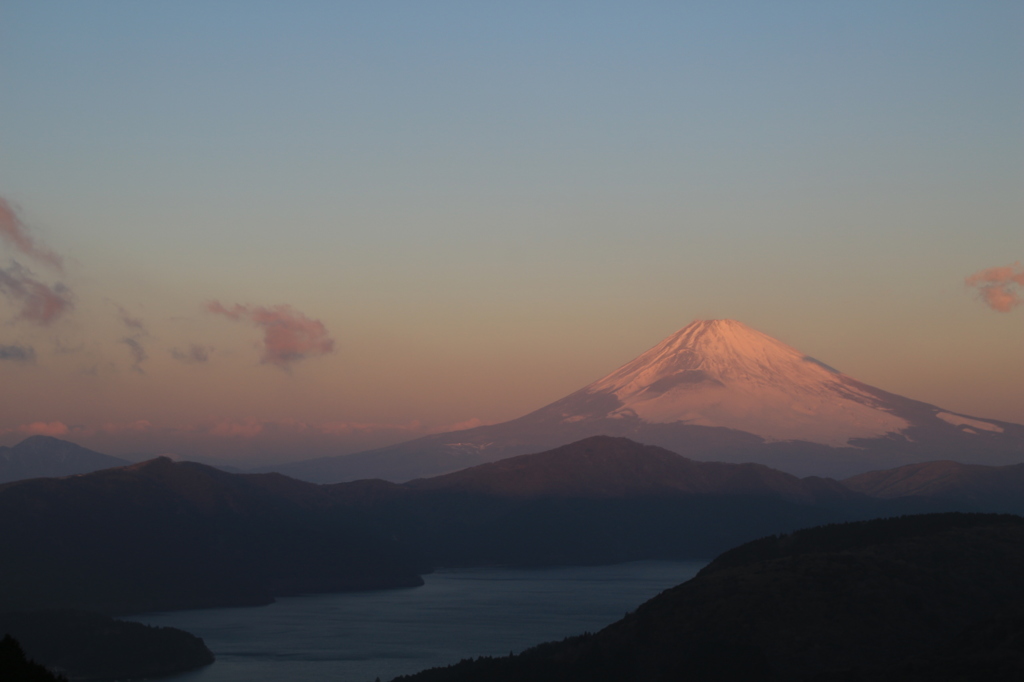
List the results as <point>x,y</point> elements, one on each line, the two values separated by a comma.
<point>357,637</point>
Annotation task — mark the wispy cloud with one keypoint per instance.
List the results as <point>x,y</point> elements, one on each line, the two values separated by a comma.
<point>288,335</point>
<point>130,320</point>
<point>13,231</point>
<point>195,354</point>
<point>39,303</point>
<point>138,352</point>
<point>998,287</point>
<point>23,354</point>
<point>137,329</point>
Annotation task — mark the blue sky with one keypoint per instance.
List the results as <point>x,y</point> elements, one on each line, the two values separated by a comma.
<point>489,205</point>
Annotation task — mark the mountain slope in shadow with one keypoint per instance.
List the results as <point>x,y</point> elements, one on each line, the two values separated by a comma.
<point>601,500</point>
<point>933,597</point>
<point>161,535</point>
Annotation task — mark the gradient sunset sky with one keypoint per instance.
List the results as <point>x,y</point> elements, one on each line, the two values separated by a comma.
<point>259,231</point>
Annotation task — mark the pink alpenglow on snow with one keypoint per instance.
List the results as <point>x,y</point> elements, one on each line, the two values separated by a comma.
<point>998,286</point>
<point>39,302</point>
<point>12,230</point>
<point>723,373</point>
<point>288,335</point>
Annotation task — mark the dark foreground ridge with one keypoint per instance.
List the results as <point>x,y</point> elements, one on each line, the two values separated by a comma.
<point>16,667</point>
<point>88,646</point>
<point>934,597</point>
<point>162,535</point>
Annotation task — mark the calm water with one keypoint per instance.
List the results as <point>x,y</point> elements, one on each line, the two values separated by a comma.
<point>456,615</point>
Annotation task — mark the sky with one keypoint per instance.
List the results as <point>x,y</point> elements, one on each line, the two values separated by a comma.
<point>252,232</point>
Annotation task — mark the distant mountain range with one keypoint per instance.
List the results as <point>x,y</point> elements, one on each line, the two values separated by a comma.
<point>992,488</point>
<point>43,456</point>
<point>164,535</point>
<point>715,390</point>
<point>918,599</point>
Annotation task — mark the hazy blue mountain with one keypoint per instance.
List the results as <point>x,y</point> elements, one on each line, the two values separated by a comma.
<point>39,456</point>
<point>991,487</point>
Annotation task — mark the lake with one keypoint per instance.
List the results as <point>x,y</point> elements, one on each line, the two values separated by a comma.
<point>357,637</point>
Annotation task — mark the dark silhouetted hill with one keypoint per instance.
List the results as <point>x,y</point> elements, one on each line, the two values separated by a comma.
<point>600,500</point>
<point>89,646</point>
<point>606,467</point>
<point>162,535</point>
<point>39,456</point>
<point>15,667</point>
<point>934,597</point>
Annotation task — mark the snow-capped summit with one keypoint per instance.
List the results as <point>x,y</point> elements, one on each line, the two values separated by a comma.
<point>715,390</point>
<point>723,373</point>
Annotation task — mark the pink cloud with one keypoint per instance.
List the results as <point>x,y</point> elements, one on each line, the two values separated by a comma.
<point>998,286</point>
<point>44,429</point>
<point>12,229</point>
<point>288,335</point>
<point>39,303</point>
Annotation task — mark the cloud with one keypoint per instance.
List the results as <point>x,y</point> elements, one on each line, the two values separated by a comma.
<point>138,352</point>
<point>194,354</point>
<point>998,286</point>
<point>134,341</point>
<point>130,321</point>
<point>13,231</point>
<point>39,303</point>
<point>44,429</point>
<point>25,354</point>
<point>288,335</point>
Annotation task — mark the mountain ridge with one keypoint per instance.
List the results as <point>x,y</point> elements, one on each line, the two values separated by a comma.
<point>606,466</point>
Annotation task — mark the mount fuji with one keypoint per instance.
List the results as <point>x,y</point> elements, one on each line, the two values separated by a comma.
<point>715,390</point>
